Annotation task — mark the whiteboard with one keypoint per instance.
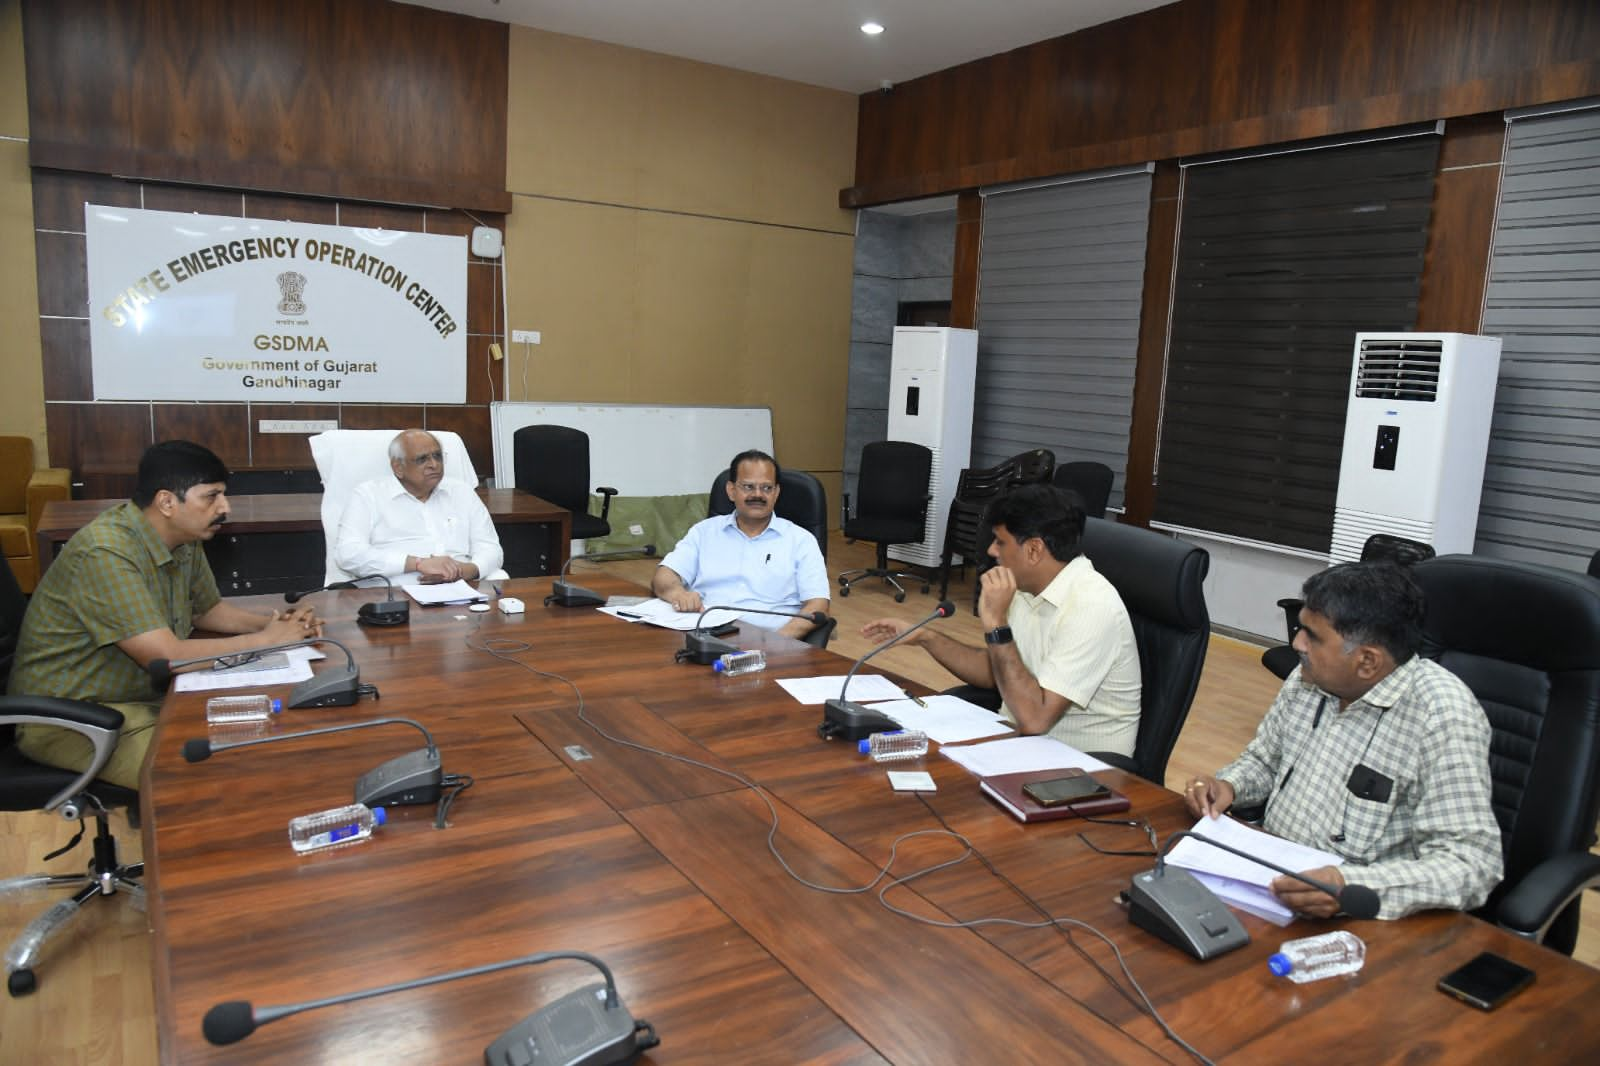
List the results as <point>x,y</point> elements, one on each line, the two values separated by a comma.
<point>640,449</point>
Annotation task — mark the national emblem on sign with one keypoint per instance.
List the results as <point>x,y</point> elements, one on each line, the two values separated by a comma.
<point>292,284</point>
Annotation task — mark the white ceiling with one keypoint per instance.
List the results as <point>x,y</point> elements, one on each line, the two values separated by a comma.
<point>818,42</point>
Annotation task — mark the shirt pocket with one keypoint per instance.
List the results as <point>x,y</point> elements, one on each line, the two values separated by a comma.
<point>1366,824</point>
<point>771,577</point>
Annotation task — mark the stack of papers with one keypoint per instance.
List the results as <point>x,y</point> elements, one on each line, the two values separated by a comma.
<point>444,592</point>
<point>658,612</point>
<point>275,668</point>
<point>946,719</point>
<point>1237,881</point>
<point>863,687</point>
<point>1020,754</point>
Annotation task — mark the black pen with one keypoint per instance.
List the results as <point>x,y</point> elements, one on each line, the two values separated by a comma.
<point>769,557</point>
<point>625,614</point>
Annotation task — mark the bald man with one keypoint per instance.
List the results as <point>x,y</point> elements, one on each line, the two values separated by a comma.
<point>415,522</point>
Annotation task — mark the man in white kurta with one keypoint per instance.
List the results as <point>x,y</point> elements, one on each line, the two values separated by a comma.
<point>415,522</point>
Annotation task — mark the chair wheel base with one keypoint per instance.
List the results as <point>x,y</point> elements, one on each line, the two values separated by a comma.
<point>21,983</point>
<point>899,597</point>
<point>844,590</point>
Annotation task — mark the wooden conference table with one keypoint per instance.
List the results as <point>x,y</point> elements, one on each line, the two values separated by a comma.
<point>274,543</point>
<point>570,841</point>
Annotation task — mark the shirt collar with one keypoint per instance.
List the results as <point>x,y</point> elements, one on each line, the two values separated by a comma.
<point>397,489</point>
<point>1055,593</point>
<point>1387,693</point>
<point>730,521</point>
<point>140,524</point>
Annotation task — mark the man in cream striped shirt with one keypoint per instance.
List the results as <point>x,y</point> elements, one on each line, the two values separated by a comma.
<point>1059,645</point>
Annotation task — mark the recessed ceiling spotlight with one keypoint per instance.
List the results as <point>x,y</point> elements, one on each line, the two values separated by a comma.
<point>871,29</point>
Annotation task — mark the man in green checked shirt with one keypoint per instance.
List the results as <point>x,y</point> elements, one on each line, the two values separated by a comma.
<point>129,587</point>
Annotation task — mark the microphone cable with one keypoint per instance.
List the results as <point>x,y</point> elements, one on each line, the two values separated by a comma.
<point>507,648</point>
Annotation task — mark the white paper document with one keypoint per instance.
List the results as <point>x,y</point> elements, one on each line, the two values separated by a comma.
<point>946,719</point>
<point>863,688</point>
<point>658,612</point>
<point>1238,881</point>
<point>275,668</point>
<point>1016,755</point>
<point>445,592</point>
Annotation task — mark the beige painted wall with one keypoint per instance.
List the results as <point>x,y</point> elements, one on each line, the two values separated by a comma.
<point>22,398</point>
<point>675,237</point>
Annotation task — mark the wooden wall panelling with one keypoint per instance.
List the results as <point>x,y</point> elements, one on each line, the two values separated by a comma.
<point>59,196</point>
<point>472,423</point>
<point>483,297</point>
<point>64,343</point>
<point>1214,75</point>
<point>290,208</point>
<point>1461,227</point>
<point>285,451</point>
<point>380,416</point>
<point>381,216</point>
<point>194,199</point>
<point>363,99</point>
<point>1139,495</point>
<point>63,274</point>
<point>222,427</point>
<point>104,441</point>
<point>964,282</point>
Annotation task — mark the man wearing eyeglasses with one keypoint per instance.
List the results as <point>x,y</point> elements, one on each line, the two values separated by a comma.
<point>750,558</point>
<point>416,523</point>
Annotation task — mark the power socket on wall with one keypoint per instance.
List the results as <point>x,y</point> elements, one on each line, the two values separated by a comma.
<point>524,336</point>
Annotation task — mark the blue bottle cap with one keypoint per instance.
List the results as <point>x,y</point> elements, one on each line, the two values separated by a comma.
<point>277,705</point>
<point>379,816</point>
<point>864,746</point>
<point>717,666</point>
<point>1279,964</point>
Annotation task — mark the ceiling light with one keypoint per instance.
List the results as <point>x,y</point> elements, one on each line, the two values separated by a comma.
<point>871,29</point>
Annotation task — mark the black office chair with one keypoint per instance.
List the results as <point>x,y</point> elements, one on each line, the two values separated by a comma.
<point>27,786</point>
<point>1282,659</point>
<point>1526,639</point>
<point>967,521</point>
<point>1090,481</point>
<point>1594,565</point>
<point>1162,584</point>
<point>892,508</point>
<point>801,499</point>
<point>552,462</point>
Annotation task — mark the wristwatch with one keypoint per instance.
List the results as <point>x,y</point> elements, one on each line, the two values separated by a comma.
<point>998,635</point>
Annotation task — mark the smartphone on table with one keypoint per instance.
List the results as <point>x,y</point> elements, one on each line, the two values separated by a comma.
<point>1487,981</point>
<point>1060,791</point>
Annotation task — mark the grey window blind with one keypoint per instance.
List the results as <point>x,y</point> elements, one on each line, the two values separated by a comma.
<point>1281,260</point>
<point>1541,488</point>
<point>1059,283</point>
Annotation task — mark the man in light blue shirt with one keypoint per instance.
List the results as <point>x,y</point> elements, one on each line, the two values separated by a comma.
<point>750,558</point>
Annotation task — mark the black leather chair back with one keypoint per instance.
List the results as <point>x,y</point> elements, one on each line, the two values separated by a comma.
<point>1090,481</point>
<point>891,493</point>
<point>552,462</point>
<point>1161,582</point>
<point>12,607</point>
<point>1029,468</point>
<point>801,499</point>
<point>1526,639</point>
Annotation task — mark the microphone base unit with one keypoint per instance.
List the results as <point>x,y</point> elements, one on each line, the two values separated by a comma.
<point>1172,903</point>
<point>407,780</point>
<point>576,1030</point>
<point>339,687</point>
<point>384,613</point>
<point>566,594</point>
<point>699,646</point>
<point>845,720</point>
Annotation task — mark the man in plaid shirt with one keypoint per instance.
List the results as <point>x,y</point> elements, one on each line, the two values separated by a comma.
<point>1370,752</point>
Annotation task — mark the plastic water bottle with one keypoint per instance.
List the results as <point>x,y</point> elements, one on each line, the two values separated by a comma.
<point>1314,957</point>
<point>229,710</point>
<point>335,828</point>
<point>900,744</point>
<point>735,663</point>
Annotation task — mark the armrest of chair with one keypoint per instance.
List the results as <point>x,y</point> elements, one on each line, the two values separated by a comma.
<point>605,503</point>
<point>51,483</point>
<point>1291,615</point>
<point>101,726</point>
<point>844,508</point>
<point>1544,892</point>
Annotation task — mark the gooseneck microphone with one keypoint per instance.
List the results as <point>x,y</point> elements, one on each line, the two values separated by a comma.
<point>389,612</point>
<point>700,645</point>
<point>843,720</point>
<point>565,594</point>
<point>1358,901</point>
<point>589,1025</point>
<point>338,686</point>
<point>406,780</point>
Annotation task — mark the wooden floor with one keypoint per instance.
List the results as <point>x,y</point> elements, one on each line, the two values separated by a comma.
<point>94,1003</point>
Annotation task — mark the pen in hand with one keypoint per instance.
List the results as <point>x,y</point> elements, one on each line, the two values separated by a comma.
<point>918,701</point>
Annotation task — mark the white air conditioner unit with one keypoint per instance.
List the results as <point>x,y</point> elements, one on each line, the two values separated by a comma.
<point>932,373</point>
<point>1415,439</point>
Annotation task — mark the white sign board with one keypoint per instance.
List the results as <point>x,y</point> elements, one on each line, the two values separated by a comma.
<point>201,307</point>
